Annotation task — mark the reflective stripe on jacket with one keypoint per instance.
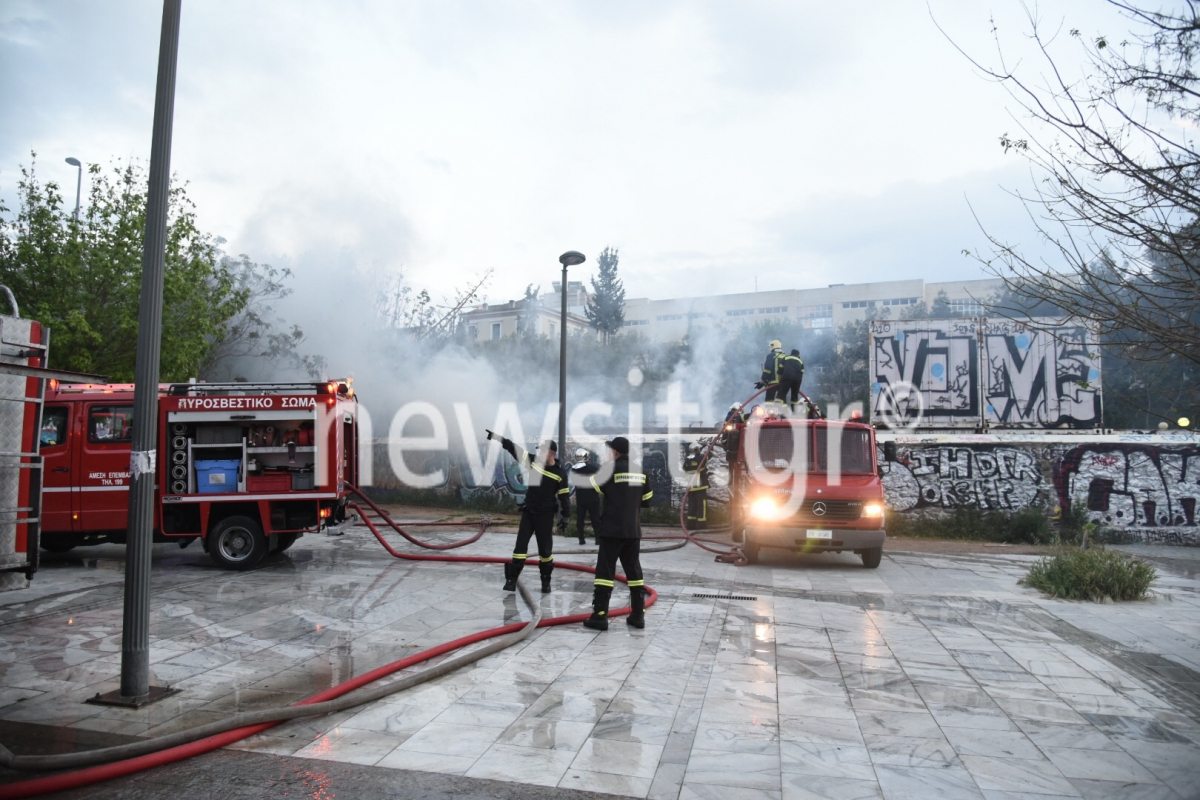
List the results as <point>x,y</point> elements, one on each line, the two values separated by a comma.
<point>770,371</point>
<point>547,485</point>
<point>626,493</point>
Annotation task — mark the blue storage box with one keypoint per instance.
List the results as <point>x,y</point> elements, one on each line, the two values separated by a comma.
<point>217,476</point>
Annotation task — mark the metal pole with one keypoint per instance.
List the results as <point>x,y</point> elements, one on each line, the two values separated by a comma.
<point>78,189</point>
<point>562,372</point>
<point>135,641</point>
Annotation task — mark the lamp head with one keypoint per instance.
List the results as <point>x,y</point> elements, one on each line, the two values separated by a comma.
<point>572,258</point>
<point>74,162</point>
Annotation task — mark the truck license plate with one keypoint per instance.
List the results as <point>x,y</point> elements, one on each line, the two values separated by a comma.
<point>819,534</point>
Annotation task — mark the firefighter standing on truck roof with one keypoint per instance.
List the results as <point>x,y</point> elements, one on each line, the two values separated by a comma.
<point>770,372</point>
<point>547,489</point>
<point>791,375</point>
<point>587,499</point>
<point>697,510</point>
<point>626,493</point>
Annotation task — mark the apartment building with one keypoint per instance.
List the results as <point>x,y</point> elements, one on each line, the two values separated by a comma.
<point>666,320</point>
<point>822,308</point>
<point>497,321</point>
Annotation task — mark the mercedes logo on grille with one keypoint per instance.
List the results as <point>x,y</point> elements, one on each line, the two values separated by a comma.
<point>818,509</point>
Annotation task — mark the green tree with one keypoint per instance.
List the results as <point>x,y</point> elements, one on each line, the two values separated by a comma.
<point>528,319</point>
<point>1117,199</point>
<point>606,310</point>
<point>82,278</point>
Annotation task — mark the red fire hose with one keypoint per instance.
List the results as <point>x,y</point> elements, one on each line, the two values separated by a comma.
<point>84,777</point>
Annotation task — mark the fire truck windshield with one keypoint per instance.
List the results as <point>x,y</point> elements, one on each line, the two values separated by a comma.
<point>800,447</point>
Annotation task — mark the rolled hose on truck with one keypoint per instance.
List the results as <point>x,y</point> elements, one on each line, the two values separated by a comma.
<point>167,749</point>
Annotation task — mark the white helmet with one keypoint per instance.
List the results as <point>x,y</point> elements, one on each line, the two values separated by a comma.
<point>581,453</point>
<point>735,407</point>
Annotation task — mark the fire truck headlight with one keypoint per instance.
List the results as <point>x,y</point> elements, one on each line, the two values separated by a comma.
<point>764,508</point>
<point>729,426</point>
<point>873,510</point>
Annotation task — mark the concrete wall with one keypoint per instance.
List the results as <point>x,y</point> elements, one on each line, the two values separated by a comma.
<point>1145,485</point>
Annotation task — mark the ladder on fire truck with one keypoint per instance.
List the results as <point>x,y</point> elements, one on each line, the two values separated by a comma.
<point>20,439</point>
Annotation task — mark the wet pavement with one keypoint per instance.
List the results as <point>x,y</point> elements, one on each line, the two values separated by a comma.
<point>934,676</point>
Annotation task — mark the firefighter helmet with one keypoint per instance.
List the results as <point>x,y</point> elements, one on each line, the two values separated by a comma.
<point>775,344</point>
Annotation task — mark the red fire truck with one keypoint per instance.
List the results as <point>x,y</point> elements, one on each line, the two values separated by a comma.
<point>805,485</point>
<point>246,468</point>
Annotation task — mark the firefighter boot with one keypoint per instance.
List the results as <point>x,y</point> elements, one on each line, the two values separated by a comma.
<point>511,570</point>
<point>637,602</point>
<point>546,568</point>
<point>598,621</point>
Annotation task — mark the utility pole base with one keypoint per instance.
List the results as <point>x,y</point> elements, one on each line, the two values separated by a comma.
<point>114,698</point>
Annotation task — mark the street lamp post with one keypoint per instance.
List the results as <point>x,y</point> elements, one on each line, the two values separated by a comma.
<point>570,258</point>
<point>136,690</point>
<point>74,162</point>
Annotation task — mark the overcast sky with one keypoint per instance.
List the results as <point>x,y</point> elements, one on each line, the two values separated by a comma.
<point>713,143</point>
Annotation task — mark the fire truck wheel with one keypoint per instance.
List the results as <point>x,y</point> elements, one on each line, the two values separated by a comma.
<point>237,543</point>
<point>752,551</point>
<point>871,557</point>
<point>286,540</point>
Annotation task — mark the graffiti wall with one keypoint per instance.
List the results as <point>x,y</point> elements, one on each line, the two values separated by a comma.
<point>1146,486</point>
<point>925,372</point>
<point>967,373</point>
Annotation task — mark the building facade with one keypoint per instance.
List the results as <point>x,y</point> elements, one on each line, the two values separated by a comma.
<point>824,308</point>
<point>493,322</point>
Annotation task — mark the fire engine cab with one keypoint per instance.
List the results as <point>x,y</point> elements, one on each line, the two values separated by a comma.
<point>247,468</point>
<point>805,485</point>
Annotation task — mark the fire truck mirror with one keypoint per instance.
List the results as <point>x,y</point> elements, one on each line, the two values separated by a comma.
<point>889,451</point>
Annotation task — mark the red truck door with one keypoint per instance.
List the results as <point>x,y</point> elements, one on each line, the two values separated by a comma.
<point>104,472</point>
<point>60,454</point>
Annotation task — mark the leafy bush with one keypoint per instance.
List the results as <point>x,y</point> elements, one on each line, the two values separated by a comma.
<point>1098,575</point>
<point>1027,526</point>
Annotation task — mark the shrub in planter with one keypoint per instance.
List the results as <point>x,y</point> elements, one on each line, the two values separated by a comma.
<point>1098,575</point>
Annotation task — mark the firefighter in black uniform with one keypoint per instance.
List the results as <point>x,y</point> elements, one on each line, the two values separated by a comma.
<point>791,375</point>
<point>626,493</point>
<point>587,499</point>
<point>547,489</point>
<point>697,511</point>
<point>770,374</point>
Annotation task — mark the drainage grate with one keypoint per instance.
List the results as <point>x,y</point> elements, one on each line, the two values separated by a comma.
<point>726,596</point>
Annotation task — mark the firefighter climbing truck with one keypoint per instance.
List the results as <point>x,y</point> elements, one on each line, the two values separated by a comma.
<point>804,485</point>
<point>245,468</point>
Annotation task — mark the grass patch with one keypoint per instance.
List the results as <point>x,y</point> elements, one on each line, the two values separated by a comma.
<point>1098,575</point>
<point>1027,526</point>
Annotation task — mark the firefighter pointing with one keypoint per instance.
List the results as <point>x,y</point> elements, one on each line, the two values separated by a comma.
<point>547,490</point>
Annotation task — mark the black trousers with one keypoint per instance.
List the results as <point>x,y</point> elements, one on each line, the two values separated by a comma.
<point>787,387</point>
<point>772,393</point>
<point>591,507</point>
<point>613,549</point>
<point>541,526</point>
<point>698,506</point>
